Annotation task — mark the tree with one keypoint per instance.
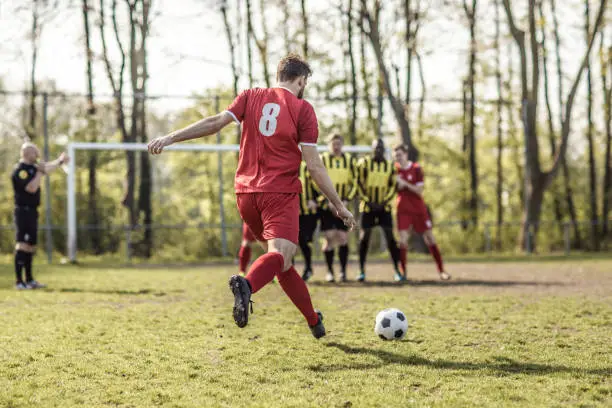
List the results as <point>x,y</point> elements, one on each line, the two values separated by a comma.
<point>232,49</point>
<point>499,186</point>
<point>372,32</point>
<point>93,216</point>
<point>469,143</point>
<point>593,217</point>
<point>539,180</point>
<point>353,75</point>
<point>606,83</point>
<point>305,28</point>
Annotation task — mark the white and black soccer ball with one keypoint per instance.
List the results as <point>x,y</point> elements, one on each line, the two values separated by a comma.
<point>391,324</point>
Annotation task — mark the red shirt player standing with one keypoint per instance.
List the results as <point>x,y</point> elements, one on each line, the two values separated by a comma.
<point>412,213</point>
<point>276,124</point>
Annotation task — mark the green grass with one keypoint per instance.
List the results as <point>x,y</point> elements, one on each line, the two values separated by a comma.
<point>510,334</point>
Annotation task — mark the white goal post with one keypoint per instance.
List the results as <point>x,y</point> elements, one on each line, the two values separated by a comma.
<point>72,148</point>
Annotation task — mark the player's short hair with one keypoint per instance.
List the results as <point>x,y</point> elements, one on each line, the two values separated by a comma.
<point>401,146</point>
<point>291,67</point>
<point>335,136</point>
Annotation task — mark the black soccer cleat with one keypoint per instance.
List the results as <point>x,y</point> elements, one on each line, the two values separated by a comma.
<point>242,299</point>
<point>307,274</point>
<point>318,330</point>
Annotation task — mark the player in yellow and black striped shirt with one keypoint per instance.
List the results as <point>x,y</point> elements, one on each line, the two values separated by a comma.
<point>377,187</point>
<point>308,218</point>
<point>342,168</point>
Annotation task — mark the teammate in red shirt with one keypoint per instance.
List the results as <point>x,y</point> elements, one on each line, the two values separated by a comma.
<point>277,124</point>
<point>244,254</point>
<point>412,214</point>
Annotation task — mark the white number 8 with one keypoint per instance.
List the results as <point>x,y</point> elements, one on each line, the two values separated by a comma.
<point>267,123</point>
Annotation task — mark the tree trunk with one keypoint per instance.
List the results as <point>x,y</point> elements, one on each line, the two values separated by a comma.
<point>354,87</point>
<point>232,49</point>
<point>398,108</point>
<point>421,113</point>
<point>500,140</point>
<point>286,16</point>
<point>516,153</point>
<point>606,82</point>
<point>593,216</point>
<point>365,76</point>
<point>471,135</point>
<point>305,46</point>
<point>93,217</point>
<point>34,33</point>
<point>567,183</point>
<point>248,43</point>
<point>551,127</point>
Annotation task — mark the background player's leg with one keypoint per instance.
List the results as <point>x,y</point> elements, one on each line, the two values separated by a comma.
<point>307,253</point>
<point>20,261</point>
<point>393,251</point>
<point>364,245</point>
<point>343,252</point>
<point>28,266</point>
<point>329,251</point>
<point>435,253</point>
<point>404,235</point>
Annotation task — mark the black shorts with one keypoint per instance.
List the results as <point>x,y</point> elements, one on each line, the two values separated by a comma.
<point>26,221</point>
<point>308,225</point>
<point>330,222</point>
<point>376,219</point>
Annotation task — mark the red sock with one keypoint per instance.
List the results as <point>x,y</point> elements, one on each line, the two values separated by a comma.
<point>244,257</point>
<point>402,250</point>
<point>435,252</point>
<point>295,287</point>
<point>263,270</point>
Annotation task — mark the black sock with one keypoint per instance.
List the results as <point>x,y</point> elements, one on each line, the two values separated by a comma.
<point>393,249</point>
<point>307,254</point>
<point>20,261</point>
<point>329,258</point>
<point>343,252</point>
<point>364,244</point>
<point>28,267</point>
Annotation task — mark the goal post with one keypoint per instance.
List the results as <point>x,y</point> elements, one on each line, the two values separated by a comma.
<point>73,148</point>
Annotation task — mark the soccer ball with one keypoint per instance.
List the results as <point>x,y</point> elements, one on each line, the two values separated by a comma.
<point>391,324</point>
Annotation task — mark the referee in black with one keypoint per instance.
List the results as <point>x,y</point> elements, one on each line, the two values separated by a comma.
<point>26,178</point>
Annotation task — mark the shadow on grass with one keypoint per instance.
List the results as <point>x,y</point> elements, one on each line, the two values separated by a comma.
<point>113,292</point>
<point>501,365</point>
<point>432,282</point>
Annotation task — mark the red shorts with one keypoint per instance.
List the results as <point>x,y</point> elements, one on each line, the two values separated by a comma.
<point>419,222</point>
<point>247,235</point>
<point>271,215</point>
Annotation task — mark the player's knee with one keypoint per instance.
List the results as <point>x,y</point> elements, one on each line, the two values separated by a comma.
<point>429,238</point>
<point>342,238</point>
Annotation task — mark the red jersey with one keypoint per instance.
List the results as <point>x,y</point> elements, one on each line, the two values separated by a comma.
<point>274,124</point>
<point>407,201</point>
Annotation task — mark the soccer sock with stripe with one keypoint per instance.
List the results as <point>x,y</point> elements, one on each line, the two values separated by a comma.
<point>435,252</point>
<point>329,259</point>
<point>264,269</point>
<point>244,257</point>
<point>20,260</point>
<point>297,291</point>
<point>343,252</point>
<point>402,253</point>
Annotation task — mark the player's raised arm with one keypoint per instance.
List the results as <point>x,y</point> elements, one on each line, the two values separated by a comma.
<point>205,127</point>
<point>321,178</point>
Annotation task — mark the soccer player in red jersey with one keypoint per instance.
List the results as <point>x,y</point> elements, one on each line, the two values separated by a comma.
<point>276,124</point>
<point>244,254</point>
<point>411,211</point>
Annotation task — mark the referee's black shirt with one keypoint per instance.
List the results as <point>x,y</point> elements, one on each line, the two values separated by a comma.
<point>22,175</point>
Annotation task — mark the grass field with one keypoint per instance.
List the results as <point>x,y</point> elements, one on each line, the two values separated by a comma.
<point>504,334</point>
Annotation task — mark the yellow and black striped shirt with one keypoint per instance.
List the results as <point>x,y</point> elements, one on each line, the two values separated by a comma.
<point>308,190</point>
<point>342,171</point>
<point>376,182</point>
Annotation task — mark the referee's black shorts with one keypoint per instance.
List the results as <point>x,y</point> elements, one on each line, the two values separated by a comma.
<point>373,219</point>
<point>26,222</point>
<point>308,225</point>
<point>330,222</point>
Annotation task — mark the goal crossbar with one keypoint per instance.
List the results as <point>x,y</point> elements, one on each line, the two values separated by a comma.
<point>72,148</point>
